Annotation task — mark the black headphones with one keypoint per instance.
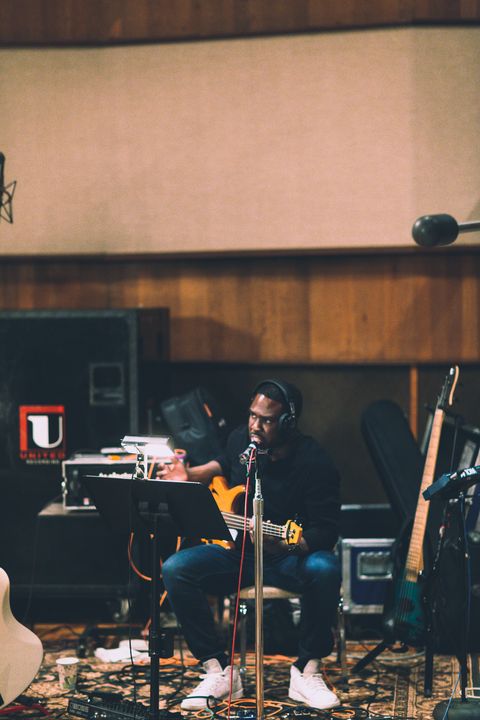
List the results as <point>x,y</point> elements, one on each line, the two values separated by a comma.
<point>287,422</point>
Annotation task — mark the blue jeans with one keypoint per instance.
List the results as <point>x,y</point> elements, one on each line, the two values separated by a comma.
<point>193,573</point>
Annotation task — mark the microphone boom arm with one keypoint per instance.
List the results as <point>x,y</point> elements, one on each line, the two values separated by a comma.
<point>472,226</point>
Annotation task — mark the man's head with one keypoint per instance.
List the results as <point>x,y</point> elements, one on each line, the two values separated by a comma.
<point>274,411</point>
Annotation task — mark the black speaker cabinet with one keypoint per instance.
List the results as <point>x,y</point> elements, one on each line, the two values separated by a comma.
<point>69,381</point>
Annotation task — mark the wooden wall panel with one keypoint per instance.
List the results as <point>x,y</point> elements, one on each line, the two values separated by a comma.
<point>378,308</point>
<point>78,21</point>
<point>445,10</point>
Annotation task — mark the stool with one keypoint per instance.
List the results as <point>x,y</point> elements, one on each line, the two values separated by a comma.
<point>274,593</point>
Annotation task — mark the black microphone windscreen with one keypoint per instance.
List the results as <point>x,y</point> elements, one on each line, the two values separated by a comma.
<point>244,457</point>
<point>430,230</point>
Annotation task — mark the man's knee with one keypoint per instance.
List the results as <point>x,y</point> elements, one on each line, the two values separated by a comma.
<point>168,569</point>
<point>175,568</point>
<point>323,567</point>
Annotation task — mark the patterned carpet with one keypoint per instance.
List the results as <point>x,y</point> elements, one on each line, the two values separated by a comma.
<point>392,686</point>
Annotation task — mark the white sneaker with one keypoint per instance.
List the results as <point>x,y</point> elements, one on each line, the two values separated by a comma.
<point>310,688</point>
<point>216,683</point>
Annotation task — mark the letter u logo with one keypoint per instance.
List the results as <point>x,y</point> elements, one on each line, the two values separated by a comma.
<point>41,431</point>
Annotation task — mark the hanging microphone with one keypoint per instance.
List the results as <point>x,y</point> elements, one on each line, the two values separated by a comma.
<point>431,230</point>
<point>6,193</point>
<point>244,457</point>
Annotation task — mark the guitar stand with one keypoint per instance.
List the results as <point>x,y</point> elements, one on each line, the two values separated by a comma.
<point>384,645</point>
<point>194,512</point>
<point>372,654</point>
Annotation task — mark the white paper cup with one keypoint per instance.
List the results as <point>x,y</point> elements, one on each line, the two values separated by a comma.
<point>67,672</point>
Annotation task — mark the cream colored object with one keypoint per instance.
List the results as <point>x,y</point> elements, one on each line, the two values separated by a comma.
<point>319,140</point>
<point>21,651</point>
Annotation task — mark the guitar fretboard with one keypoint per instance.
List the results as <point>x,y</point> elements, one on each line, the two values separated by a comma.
<point>414,562</point>
<point>237,522</point>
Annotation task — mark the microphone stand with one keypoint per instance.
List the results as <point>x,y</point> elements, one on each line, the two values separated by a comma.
<point>258,559</point>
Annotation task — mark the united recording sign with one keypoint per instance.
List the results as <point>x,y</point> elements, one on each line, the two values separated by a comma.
<point>42,434</point>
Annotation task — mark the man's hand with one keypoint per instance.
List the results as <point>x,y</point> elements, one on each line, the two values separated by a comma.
<point>272,545</point>
<point>174,469</point>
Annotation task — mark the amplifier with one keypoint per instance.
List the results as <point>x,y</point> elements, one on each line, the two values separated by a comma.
<point>367,571</point>
<point>75,494</point>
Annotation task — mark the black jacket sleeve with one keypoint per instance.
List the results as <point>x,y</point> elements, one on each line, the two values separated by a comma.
<point>321,503</point>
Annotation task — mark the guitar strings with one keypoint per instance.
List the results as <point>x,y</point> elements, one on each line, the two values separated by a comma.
<point>236,521</point>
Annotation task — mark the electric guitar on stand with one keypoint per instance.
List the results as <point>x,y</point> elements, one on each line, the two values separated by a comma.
<point>21,650</point>
<point>406,621</point>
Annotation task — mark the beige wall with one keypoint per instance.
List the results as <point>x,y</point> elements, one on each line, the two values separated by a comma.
<point>299,142</point>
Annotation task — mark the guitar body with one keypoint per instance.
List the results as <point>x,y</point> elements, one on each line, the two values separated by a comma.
<point>21,650</point>
<point>407,622</point>
<point>228,500</point>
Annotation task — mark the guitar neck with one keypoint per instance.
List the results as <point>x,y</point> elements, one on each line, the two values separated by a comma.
<point>237,522</point>
<point>414,562</point>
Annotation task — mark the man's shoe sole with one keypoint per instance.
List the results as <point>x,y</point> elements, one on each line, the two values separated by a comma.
<point>235,696</point>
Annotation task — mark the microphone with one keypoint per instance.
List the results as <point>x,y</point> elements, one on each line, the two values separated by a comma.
<point>244,456</point>
<point>443,229</point>
<point>449,485</point>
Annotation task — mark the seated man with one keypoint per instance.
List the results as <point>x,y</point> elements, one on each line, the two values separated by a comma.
<point>297,479</point>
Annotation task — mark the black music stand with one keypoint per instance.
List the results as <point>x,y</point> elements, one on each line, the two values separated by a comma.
<point>194,512</point>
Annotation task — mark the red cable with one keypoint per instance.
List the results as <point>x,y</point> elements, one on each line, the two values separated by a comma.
<point>15,708</point>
